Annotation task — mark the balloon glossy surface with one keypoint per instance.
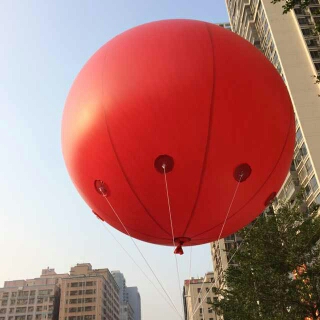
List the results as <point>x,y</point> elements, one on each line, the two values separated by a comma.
<point>191,91</point>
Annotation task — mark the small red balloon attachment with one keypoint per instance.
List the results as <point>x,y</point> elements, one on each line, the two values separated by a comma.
<point>179,242</point>
<point>164,164</point>
<point>101,188</point>
<point>242,172</point>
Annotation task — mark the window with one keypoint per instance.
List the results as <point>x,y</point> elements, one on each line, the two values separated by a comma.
<point>21,309</point>
<point>200,310</point>
<point>12,302</point>
<point>308,190</point>
<point>199,300</point>
<point>30,309</point>
<point>29,317</point>
<point>45,292</point>
<point>209,310</point>
<point>4,302</point>
<point>40,300</point>
<point>90,291</point>
<point>91,283</point>
<point>315,54</point>
<point>317,199</point>
<point>298,136</point>
<point>199,290</point>
<point>11,310</point>
<point>308,166</point>
<point>22,301</point>
<point>313,183</point>
<point>89,308</point>
<point>306,32</point>
<point>5,295</point>
<point>31,301</point>
<point>39,308</point>
<point>208,300</point>
<point>74,284</point>
<point>32,292</point>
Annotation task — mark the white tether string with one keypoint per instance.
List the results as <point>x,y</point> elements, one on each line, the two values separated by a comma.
<point>164,290</point>
<point>223,225</point>
<point>130,256</point>
<point>172,232</point>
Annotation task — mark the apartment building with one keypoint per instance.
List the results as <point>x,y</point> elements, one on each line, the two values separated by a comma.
<point>194,290</point>
<point>134,300</point>
<point>89,294</point>
<point>290,43</point>
<point>82,294</point>
<point>32,299</point>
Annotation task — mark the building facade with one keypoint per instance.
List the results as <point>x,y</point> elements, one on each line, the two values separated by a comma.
<point>89,294</point>
<point>289,42</point>
<point>194,290</point>
<point>134,300</point>
<point>220,253</point>
<point>126,311</point>
<point>33,299</point>
<point>84,294</point>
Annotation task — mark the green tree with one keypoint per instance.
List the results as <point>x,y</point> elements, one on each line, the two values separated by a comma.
<point>277,269</point>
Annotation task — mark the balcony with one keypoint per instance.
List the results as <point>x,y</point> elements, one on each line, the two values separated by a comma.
<point>288,190</point>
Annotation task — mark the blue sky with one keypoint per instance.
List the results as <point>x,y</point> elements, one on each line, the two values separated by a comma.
<point>43,221</point>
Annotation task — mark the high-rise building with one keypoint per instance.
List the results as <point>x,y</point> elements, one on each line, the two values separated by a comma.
<point>220,252</point>
<point>134,301</point>
<point>126,311</point>
<point>289,42</point>
<point>194,291</point>
<point>121,282</point>
<point>84,294</point>
<point>32,299</point>
<point>89,294</point>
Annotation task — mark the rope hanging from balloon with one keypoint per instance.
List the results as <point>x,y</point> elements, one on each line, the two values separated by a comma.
<point>104,194</point>
<point>172,231</point>
<point>222,228</point>
<point>229,261</point>
<point>190,262</point>
<point>142,271</point>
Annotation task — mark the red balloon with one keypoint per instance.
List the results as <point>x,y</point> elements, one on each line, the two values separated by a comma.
<point>192,96</point>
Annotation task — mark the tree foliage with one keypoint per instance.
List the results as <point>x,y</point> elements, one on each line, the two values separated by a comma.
<point>290,4</point>
<point>276,274</point>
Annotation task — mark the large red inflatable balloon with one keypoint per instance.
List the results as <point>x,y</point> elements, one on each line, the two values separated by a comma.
<point>191,96</point>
